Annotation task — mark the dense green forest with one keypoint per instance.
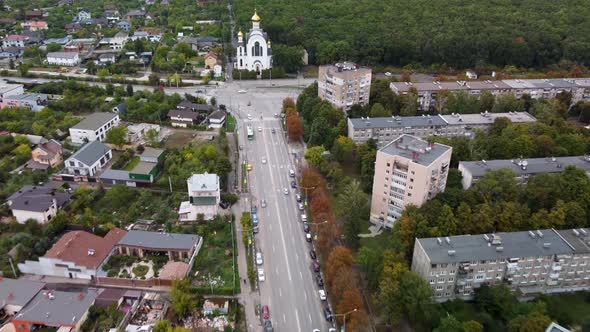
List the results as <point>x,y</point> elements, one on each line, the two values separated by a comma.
<point>456,33</point>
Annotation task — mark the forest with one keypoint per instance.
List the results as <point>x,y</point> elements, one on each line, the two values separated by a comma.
<point>453,33</point>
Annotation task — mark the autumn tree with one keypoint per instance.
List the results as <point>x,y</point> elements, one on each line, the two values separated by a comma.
<point>319,202</point>
<point>351,300</point>
<point>343,149</point>
<point>533,322</point>
<point>339,258</point>
<point>312,179</point>
<point>288,103</point>
<point>295,127</point>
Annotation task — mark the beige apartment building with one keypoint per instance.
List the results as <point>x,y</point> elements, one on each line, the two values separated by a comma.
<point>530,262</point>
<point>344,84</point>
<point>408,170</point>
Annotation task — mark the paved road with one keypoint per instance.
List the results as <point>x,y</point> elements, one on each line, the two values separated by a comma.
<point>289,290</point>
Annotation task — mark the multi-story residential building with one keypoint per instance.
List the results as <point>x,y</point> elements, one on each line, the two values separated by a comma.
<point>385,129</point>
<point>344,84</point>
<point>407,171</point>
<point>15,41</point>
<point>533,262</point>
<point>427,93</point>
<point>522,168</point>
<point>204,198</point>
<point>89,160</point>
<point>68,59</point>
<point>93,127</point>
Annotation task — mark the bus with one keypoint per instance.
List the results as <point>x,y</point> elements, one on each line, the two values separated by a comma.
<point>250,133</point>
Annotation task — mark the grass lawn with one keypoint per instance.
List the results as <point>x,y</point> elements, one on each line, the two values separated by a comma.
<point>230,123</point>
<point>379,242</point>
<point>132,163</point>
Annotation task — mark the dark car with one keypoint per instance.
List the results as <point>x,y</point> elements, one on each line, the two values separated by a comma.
<point>268,326</point>
<point>316,266</point>
<point>265,312</point>
<point>319,280</point>
<point>293,184</point>
<point>254,209</point>
<point>224,205</point>
<point>306,227</point>
<point>312,254</point>
<point>328,314</point>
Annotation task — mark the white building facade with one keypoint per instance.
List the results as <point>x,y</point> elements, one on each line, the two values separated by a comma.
<point>68,59</point>
<point>204,197</point>
<point>89,160</point>
<point>93,128</point>
<point>254,51</point>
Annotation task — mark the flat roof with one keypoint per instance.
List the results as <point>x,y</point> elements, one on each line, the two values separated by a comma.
<point>413,148</point>
<point>94,121</point>
<point>159,241</point>
<point>143,167</point>
<point>18,292</point>
<point>115,174</point>
<point>527,166</point>
<point>578,238</point>
<point>467,248</point>
<point>57,307</point>
<point>558,83</point>
<point>151,152</point>
<point>397,122</point>
<point>487,118</point>
<point>203,182</point>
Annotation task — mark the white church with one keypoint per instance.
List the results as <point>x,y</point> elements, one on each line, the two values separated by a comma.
<point>254,53</point>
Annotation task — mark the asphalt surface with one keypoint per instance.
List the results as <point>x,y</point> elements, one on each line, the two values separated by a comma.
<point>290,289</point>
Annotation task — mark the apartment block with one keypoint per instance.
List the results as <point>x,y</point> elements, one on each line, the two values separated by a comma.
<point>536,88</point>
<point>530,262</point>
<point>94,127</point>
<point>472,171</point>
<point>344,84</point>
<point>385,129</point>
<point>407,171</point>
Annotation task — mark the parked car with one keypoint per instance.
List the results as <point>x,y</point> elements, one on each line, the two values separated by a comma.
<point>263,203</point>
<point>322,295</point>
<point>293,184</point>
<point>306,227</point>
<point>291,173</point>
<point>300,206</point>
<point>388,74</point>
<point>276,115</point>
<point>312,254</point>
<point>268,326</point>
<point>259,128</point>
<point>298,198</point>
<point>303,217</point>
<point>263,160</point>
<point>273,131</point>
<point>259,259</point>
<point>319,280</point>
<point>261,274</point>
<point>265,312</point>
<point>316,266</point>
<point>286,191</point>
<point>328,314</point>
<point>307,237</point>
<point>254,209</point>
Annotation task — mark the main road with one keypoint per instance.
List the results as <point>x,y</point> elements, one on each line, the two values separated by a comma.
<point>290,289</point>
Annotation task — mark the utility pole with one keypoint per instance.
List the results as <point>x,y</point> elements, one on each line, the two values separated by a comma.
<point>170,183</point>
<point>12,267</point>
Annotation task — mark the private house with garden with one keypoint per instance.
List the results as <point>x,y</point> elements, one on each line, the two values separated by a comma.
<point>146,168</point>
<point>45,155</point>
<point>184,119</point>
<point>37,203</point>
<point>88,161</point>
<point>204,197</point>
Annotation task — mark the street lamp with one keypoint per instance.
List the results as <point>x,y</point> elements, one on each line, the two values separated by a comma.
<point>317,228</point>
<point>344,314</point>
<point>306,189</point>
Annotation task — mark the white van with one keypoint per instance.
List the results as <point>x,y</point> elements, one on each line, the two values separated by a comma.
<point>303,217</point>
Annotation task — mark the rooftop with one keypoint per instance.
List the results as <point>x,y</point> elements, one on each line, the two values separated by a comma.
<point>467,248</point>
<point>94,121</point>
<point>183,114</point>
<point>151,152</point>
<point>345,67</point>
<point>85,249</point>
<point>203,182</point>
<point>185,104</point>
<point>579,239</point>
<point>18,292</point>
<point>115,174</point>
<point>143,167</point>
<point>4,88</point>
<point>57,308</point>
<point>31,97</point>
<point>415,149</point>
<point>527,166</point>
<point>91,152</point>
<point>159,241</point>
<point>217,115</point>
<point>15,37</point>
<point>491,85</point>
<point>37,199</point>
<point>487,118</point>
<point>397,122</point>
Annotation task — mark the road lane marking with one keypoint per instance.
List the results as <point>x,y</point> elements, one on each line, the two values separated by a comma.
<point>301,275</point>
<point>280,293</point>
<point>311,321</point>
<point>273,250</point>
<point>305,296</point>
<point>284,318</point>
<point>297,315</point>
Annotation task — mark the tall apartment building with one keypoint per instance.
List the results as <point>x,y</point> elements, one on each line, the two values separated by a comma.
<point>407,171</point>
<point>533,262</point>
<point>536,88</point>
<point>522,168</point>
<point>344,84</point>
<point>385,129</point>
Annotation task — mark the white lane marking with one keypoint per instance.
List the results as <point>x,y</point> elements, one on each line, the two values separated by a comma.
<point>310,318</point>
<point>297,316</point>
<point>297,256</point>
<point>305,296</point>
<point>273,250</point>
<point>301,275</point>
<point>270,227</point>
<point>277,271</point>
<point>284,318</point>
<point>280,293</point>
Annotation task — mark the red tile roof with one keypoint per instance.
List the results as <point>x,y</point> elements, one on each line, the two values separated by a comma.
<point>15,37</point>
<point>76,247</point>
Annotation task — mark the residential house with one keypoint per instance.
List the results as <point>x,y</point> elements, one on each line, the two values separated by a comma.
<point>89,160</point>
<point>191,41</point>
<point>186,105</point>
<point>68,59</point>
<point>83,16</point>
<point>142,175</point>
<point>45,155</point>
<point>33,14</point>
<point>73,27</point>
<point>112,16</point>
<point>94,127</point>
<point>15,41</point>
<point>16,294</point>
<point>39,203</point>
<point>136,132</point>
<point>116,43</point>
<point>204,198</point>
<point>210,60</point>
<point>149,34</point>
<point>177,246</point>
<point>8,89</point>
<point>107,58</point>
<point>207,42</point>
<point>184,119</point>
<point>76,255</point>
<point>124,25</point>
<point>135,14</point>
<point>217,119</point>
<point>120,109</point>
<point>34,25</point>
<point>33,101</point>
<point>11,53</point>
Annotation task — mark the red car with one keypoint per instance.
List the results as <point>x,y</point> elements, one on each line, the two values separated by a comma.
<point>265,312</point>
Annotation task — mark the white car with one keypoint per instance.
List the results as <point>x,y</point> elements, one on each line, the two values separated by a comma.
<point>276,115</point>
<point>263,203</point>
<point>322,295</point>
<point>263,160</point>
<point>249,116</point>
<point>259,128</point>
<point>242,91</point>
<point>261,274</point>
<point>286,191</point>
<point>259,259</point>
<point>388,74</point>
<point>301,207</point>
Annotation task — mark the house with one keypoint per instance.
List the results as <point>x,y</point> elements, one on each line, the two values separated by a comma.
<point>136,132</point>
<point>83,16</point>
<point>11,53</point>
<point>45,155</point>
<point>33,101</point>
<point>57,310</point>
<point>33,14</point>
<point>186,105</point>
<point>116,43</point>
<point>76,255</point>
<point>142,175</point>
<point>554,327</point>
<point>39,203</point>
<point>73,27</point>
<point>217,119</point>
<point>89,160</point>
<point>34,25</point>
<point>210,60</point>
<point>17,293</point>
<point>191,41</point>
<point>183,119</point>
<point>112,16</point>
<point>124,25</point>
<point>135,14</point>
<point>7,21</point>
<point>176,246</point>
<point>207,42</point>
<point>204,198</point>
<point>68,59</point>
<point>107,58</point>
<point>62,41</point>
<point>94,127</point>
<point>211,306</point>
<point>149,34</point>
<point>120,109</point>
<point>15,41</point>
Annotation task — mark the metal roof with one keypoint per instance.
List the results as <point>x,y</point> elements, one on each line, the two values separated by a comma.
<point>467,248</point>
<point>143,167</point>
<point>159,241</point>
<point>409,146</point>
<point>114,174</point>
<point>94,121</point>
<point>578,238</point>
<point>18,292</point>
<point>57,307</point>
<point>38,199</point>
<point>397,122</point>
<point>150,152</point>
<point>63,55</point>
<point>527,166</point>
<point>203,182</point>
<point>91,153</point>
